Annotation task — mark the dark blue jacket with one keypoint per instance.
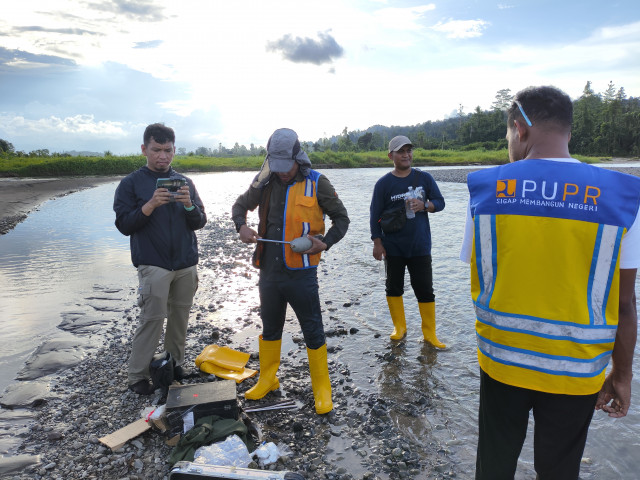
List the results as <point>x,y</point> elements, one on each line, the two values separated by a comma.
<point>166,238</point>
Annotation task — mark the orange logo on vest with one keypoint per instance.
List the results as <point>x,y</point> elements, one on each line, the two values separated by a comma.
<point>506,188</point>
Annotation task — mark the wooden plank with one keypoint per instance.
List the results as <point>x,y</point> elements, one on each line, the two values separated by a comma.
<point>118,438</point>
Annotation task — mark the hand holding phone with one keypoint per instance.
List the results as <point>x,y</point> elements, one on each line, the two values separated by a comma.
<point>173,185</point>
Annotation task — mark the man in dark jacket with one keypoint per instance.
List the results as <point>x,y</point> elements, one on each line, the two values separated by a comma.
<point>160,223</point>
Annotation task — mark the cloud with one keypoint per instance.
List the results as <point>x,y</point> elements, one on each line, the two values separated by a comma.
<point>149,44</point>
<point>629,32</point>
<point>86,132</point>
<point>407,18</point>
<point>16,58</point>
<point>139,10</point>
<point>325,49</point>
<point>461,28</point>
<point>64,31</point>
<point>111,90</point>
<point>77,124</point>
<point>69,133</point>
<point>87,108</point>
<point>612,48</point>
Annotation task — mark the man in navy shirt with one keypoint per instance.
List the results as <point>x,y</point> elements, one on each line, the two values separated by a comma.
<point>409,247</point>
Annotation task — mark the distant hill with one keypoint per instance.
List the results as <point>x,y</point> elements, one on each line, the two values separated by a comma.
<point>84,153</point>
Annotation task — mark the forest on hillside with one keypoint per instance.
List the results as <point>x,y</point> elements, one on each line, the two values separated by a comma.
<point>605,123</point>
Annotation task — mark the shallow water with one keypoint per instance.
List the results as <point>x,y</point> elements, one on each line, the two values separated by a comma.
<point>63,256</point>
<point>68,258</point>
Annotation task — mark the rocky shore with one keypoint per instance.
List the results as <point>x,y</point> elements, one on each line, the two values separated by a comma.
<point>63,419</point>
<point>90,400</point>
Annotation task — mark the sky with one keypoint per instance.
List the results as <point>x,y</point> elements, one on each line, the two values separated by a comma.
<point>90,75</point>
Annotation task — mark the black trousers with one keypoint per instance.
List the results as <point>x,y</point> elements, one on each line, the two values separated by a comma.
<point>560,431</point>
<point>419,272</point>
<point>299,289</point>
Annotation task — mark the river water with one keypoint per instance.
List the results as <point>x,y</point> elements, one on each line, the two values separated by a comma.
<point>67,255</point>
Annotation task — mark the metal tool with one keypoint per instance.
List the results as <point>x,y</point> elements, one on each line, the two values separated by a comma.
<point>272,241</point>
<point>300,244</point>
<point>275,406</point>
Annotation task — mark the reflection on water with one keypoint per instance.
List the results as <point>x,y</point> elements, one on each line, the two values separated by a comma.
<point>53,261</point>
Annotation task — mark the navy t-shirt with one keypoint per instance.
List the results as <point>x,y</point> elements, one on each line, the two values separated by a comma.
<point>414,239</point>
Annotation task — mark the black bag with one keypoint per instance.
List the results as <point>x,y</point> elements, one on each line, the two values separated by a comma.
<point>161,370</point>
<point>393,219</point>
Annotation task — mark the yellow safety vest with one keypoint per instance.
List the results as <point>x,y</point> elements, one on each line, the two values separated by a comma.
<point>544,271</point>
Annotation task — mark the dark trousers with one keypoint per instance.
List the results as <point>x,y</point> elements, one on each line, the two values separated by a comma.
<point>560,432</point>
<point>419,273</point>
<point>300,290</point>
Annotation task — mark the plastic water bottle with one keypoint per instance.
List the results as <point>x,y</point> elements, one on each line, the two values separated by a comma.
<point>410,195</point>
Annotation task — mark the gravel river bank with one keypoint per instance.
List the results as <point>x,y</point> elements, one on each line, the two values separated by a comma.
<point>391,417</point>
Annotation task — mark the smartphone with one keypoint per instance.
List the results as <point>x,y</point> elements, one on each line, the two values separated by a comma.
<point>171,184</point>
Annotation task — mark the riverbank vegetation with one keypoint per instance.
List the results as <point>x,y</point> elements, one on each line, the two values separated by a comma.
<point>12,166</point>
<point>605,124</point>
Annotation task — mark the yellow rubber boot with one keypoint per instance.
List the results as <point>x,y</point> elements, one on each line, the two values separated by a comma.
<point>428,314</point>
<point>269,363</point>
<point>320,382</point>
<point>396,309</point>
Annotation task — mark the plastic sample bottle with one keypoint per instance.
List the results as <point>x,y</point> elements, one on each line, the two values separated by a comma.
<point>410,195</point>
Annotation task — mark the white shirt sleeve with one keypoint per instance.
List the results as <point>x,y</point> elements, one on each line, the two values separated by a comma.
<point>467,240</point>
<point>630,247</point>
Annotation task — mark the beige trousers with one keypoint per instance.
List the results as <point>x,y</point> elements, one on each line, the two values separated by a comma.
<point>161,294</point>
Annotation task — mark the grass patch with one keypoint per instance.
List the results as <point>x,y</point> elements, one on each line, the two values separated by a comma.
<point>14,166</point>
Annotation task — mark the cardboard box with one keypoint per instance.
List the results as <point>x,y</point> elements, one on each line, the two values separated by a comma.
<point>186,404</point>
<point>161,424</point>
